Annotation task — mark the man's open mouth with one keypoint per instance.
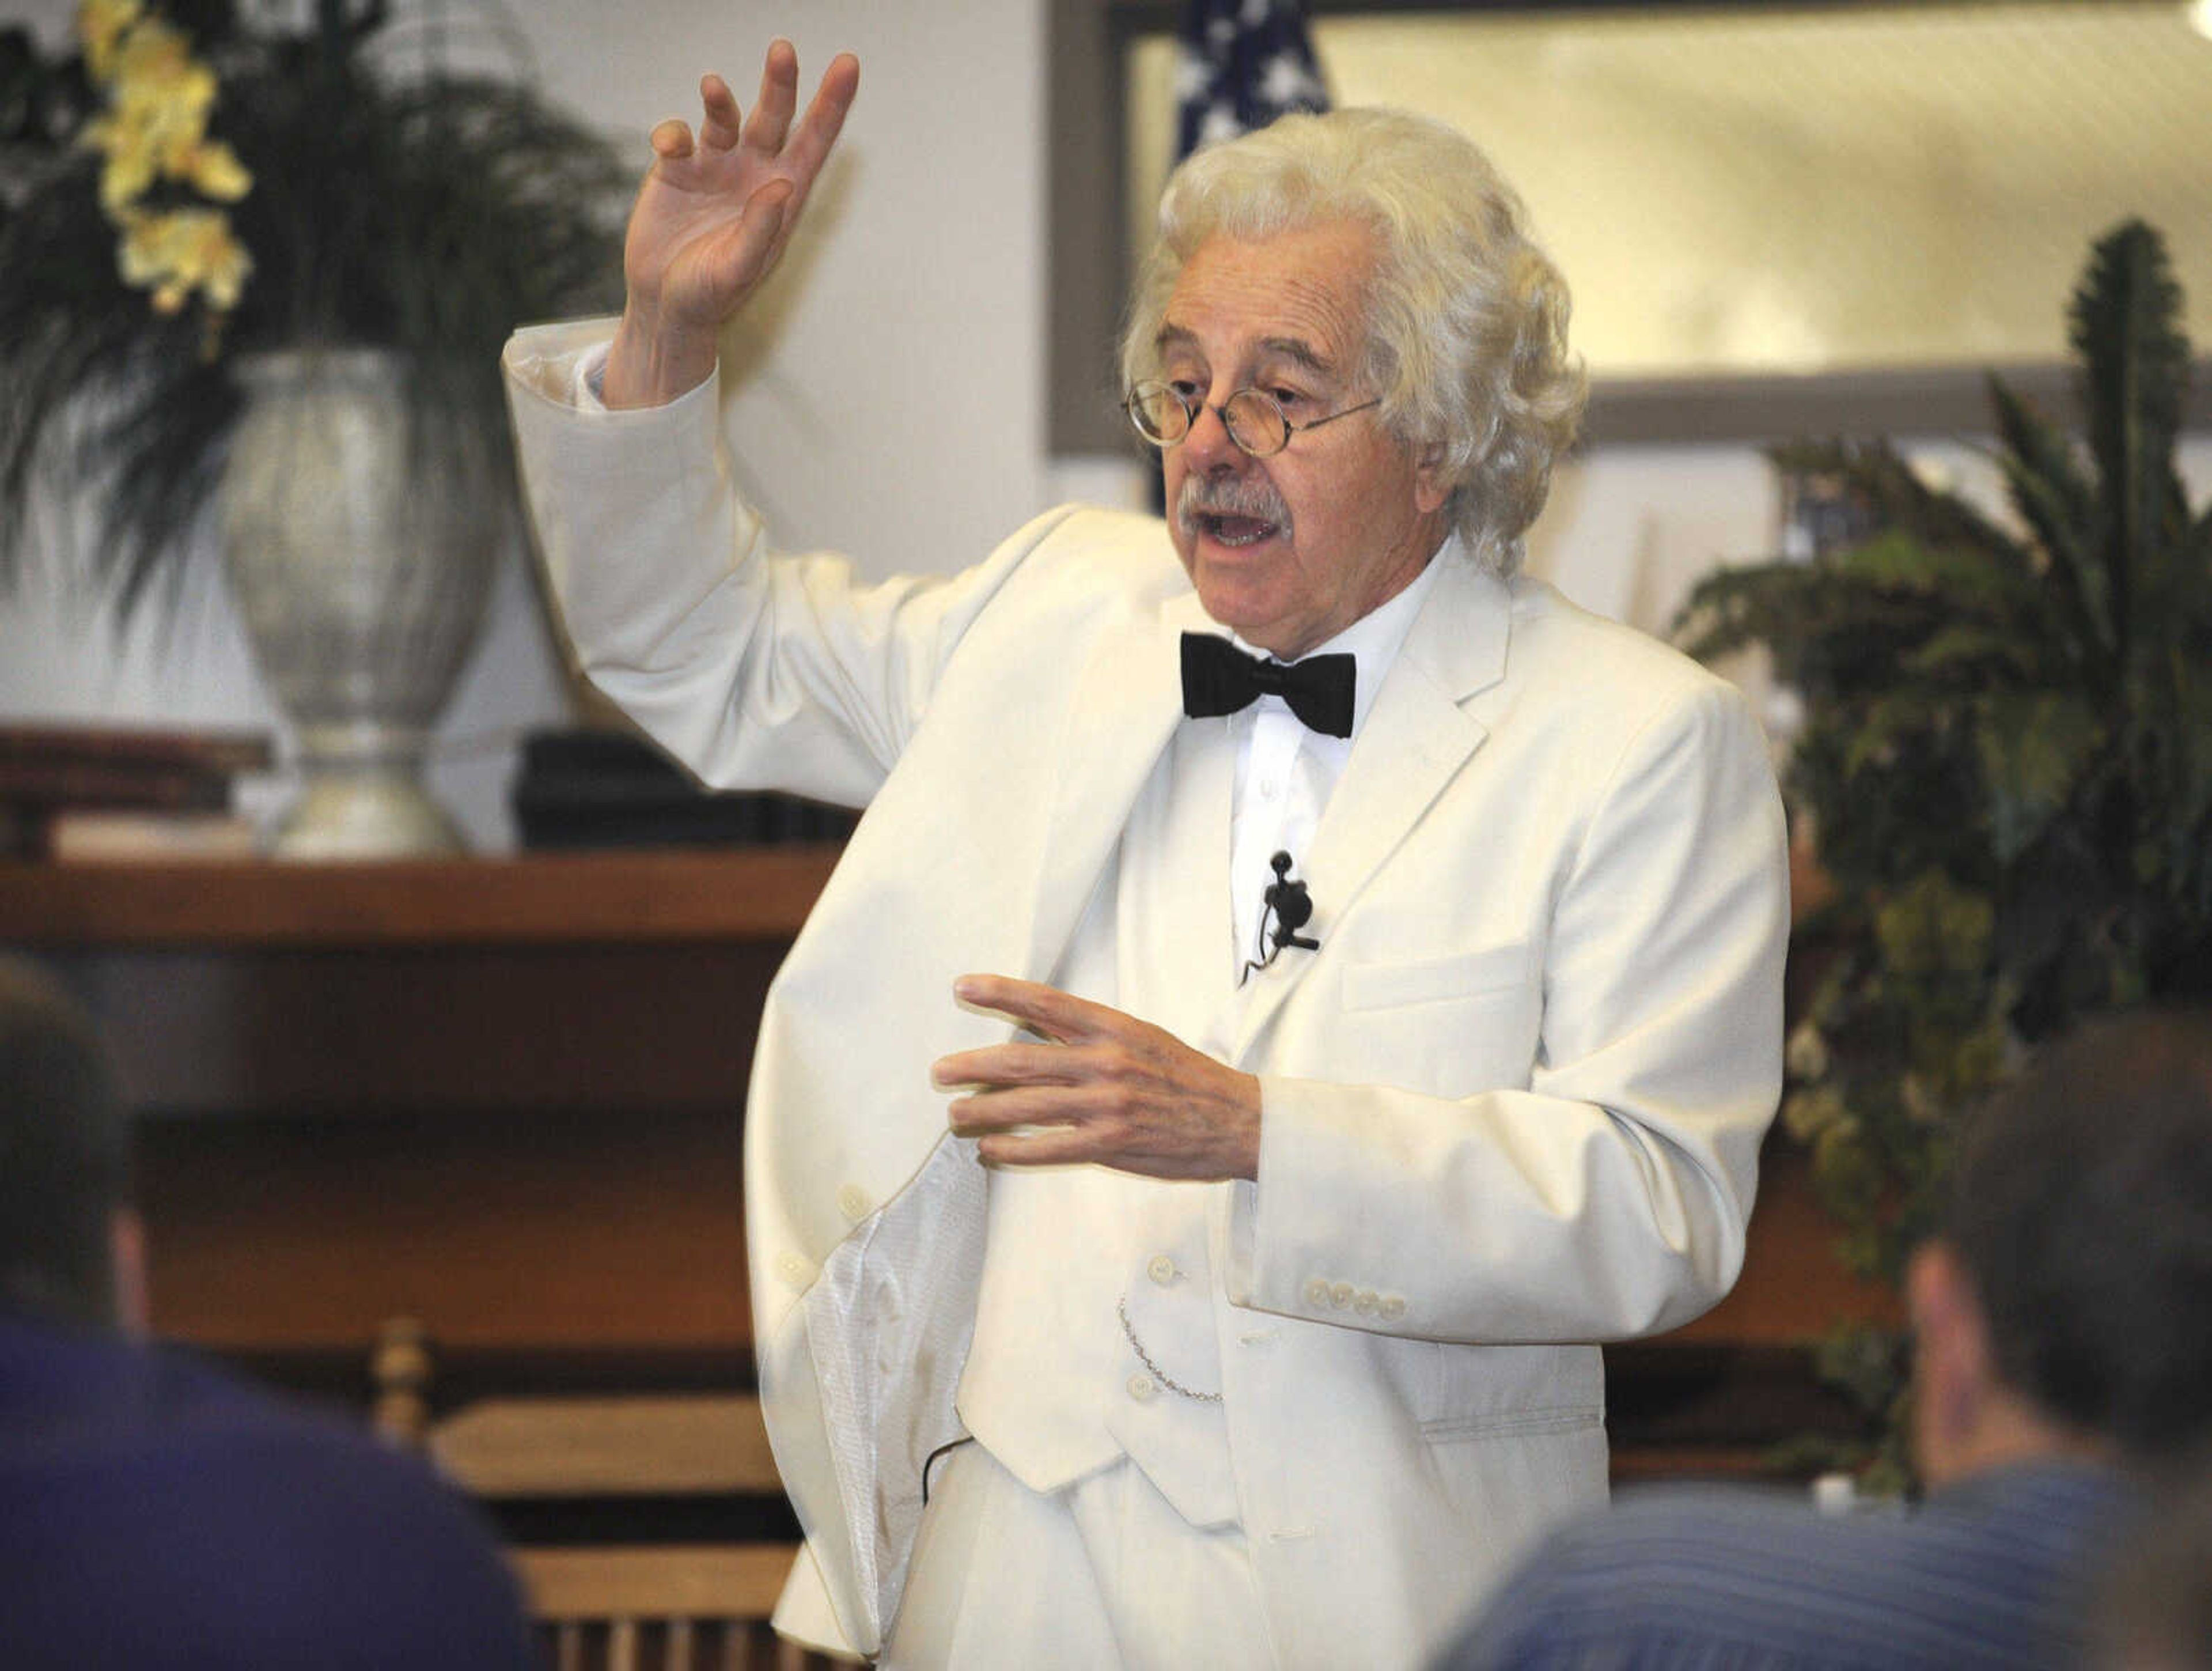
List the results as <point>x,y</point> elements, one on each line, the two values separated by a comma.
<point>1229,529</point>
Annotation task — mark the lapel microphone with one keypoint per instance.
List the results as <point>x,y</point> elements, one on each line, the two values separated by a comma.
<point>1286,908</point>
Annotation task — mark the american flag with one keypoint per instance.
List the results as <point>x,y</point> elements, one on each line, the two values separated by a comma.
<point>1241,63</point>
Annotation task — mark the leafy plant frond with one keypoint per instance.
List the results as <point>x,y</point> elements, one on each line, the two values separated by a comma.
<point>2134,360</point>
<point>1971,654</point>
<point>2006,762</point>
<point>2036,748</point>
<point>2057,503</point>
<point>1967,579</point>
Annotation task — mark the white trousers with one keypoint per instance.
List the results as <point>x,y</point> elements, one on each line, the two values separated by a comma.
<point>1101,1574</point>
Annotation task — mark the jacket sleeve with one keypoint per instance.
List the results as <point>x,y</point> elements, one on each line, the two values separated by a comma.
<point>755,671</point>
<point>1608,1196</point>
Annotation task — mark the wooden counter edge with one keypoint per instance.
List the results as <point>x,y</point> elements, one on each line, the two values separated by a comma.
<point>625,896</point>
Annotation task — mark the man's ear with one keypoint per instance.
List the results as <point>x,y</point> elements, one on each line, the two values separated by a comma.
<point>1431,488</point>
<point>126,1252</point>
<point>1954,1378</point>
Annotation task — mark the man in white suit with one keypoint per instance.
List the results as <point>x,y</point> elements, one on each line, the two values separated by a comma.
<point>1357,971</point>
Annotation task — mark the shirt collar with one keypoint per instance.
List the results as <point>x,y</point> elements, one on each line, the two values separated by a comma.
<point>1374,640</point>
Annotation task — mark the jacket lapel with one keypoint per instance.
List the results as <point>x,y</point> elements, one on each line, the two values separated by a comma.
<point>1413,741</point>
<point>1127,702</point>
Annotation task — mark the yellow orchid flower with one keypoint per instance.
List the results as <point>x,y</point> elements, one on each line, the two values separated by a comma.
<point>155,68</point>
<point>220,264</point>
<point>163,92</point>
<point>158,104</point>
<point>133,162</point>
<point>180,250</point>
<point>215,172</point>
<point>99,25</point>
<point>159,98</point>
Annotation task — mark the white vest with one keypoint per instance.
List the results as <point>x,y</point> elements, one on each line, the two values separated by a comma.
<point>1055,1388</point>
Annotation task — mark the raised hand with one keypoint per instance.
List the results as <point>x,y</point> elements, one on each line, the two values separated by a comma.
<point>1107,1088</point>
<point>712,218</point>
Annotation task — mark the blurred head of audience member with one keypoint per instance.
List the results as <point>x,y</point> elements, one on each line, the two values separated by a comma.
<point>2065,1305</point>
<point>70,1251</point>
<point>154,1511</point>
<point>2156,1612</point>
<point>2063,1361</point>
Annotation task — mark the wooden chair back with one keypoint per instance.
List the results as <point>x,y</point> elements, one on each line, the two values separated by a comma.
<point>674,1606</point>
<point>664,1607</point>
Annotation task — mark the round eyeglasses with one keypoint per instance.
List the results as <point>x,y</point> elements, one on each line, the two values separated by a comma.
<point>1253,418</point>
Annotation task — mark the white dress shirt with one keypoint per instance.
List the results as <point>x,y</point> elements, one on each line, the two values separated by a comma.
<point>1284,772</point>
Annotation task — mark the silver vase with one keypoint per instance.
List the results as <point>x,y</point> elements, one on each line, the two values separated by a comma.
<point>360,541</point>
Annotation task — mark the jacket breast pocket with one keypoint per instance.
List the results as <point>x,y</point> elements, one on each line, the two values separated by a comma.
<point>1384,985</point>
<point>1448,1025</point>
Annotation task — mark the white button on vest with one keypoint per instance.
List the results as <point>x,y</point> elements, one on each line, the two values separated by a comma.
<point>1340,1295</point>
<point>1317,1291</point>
<point>853,1202</point>
<point>1140,1387</point>
<point>1161,1269</point>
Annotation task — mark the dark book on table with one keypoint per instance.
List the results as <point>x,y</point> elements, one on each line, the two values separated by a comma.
<point>596,788</point>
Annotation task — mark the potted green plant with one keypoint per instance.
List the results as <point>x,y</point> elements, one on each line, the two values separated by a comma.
<point>264,273</point>
<point>2006,763</point>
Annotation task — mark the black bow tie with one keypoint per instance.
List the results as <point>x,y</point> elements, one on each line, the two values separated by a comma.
<point>1217,678</point>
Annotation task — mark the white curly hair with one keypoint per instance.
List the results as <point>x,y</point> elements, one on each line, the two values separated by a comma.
<point>1465,316</point>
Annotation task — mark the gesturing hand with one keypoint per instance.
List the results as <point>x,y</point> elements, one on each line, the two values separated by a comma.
<point>1107,1088</point>
<point>712,219</point>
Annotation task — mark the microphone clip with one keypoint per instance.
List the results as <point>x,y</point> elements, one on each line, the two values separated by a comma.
<point>1286,908</point>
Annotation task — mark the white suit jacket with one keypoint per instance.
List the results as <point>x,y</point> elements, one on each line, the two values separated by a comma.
<point>1511,1107</point>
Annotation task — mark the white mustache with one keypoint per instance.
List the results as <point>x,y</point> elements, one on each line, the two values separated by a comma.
<point>1226,496</point>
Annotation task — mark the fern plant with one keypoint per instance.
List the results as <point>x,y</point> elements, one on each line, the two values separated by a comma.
<point>2007,763</point>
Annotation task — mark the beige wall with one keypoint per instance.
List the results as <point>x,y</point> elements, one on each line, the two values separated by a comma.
<point>891,398</point>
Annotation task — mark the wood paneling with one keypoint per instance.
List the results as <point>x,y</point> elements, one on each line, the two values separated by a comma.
<point>239,1031</point>
<point>505,1099</point>
<point>547,1231</point>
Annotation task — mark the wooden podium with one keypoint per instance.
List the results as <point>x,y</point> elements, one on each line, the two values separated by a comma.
<point>504,1098</point>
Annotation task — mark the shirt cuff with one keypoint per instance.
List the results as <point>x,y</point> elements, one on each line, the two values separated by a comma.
<point>588,381</point>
